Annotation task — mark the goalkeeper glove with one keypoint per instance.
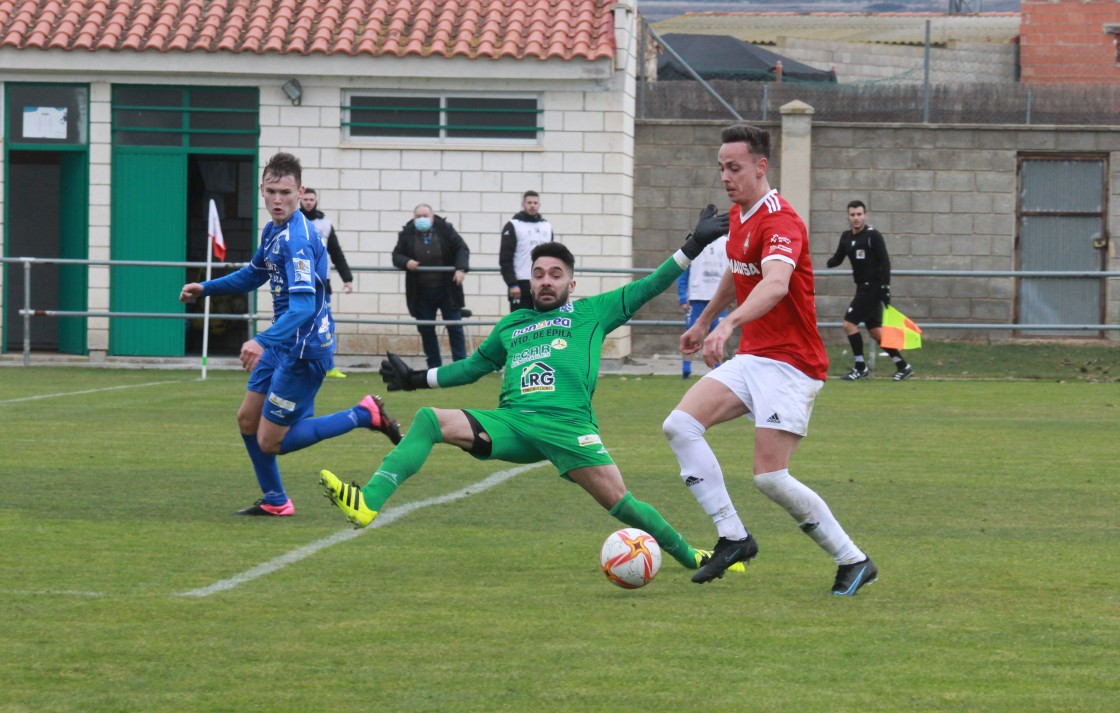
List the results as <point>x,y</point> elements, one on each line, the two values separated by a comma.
<point>399,377</point>
<point>885,294</point>
<point>709,228</point>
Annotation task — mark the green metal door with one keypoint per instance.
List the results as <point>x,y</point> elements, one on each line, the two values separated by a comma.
<point>45,170</point>
<point>73,227</point>
<point>149,218</point>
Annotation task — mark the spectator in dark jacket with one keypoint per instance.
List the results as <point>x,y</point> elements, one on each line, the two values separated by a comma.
<point>430,241</point>
<point>521,234</point>
<point>309,206</point>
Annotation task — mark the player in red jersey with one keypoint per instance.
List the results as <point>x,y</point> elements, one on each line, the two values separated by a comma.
<point>774,378</point>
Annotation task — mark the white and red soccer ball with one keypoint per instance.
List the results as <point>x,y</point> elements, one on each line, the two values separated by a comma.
<point>630,558</point>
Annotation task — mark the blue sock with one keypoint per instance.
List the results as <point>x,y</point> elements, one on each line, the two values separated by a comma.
<point>268,473</point>
<point>310,431</point>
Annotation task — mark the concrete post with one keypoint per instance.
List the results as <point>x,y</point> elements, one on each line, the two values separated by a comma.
<point>797,148</point>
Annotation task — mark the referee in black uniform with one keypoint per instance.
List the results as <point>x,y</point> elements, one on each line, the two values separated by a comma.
<point>871,269</point>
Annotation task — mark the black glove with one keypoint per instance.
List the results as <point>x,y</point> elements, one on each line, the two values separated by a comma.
<point>885,294</point>
<point>711,227</point>
<point>399,377</point>
<point>834,261</point>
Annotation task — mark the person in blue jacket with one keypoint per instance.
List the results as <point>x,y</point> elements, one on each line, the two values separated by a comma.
<point>696,286</point>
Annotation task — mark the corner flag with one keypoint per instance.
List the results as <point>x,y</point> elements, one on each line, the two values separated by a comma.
<point>215,231</point>
<point>217,244</point>
<point>899,331</point>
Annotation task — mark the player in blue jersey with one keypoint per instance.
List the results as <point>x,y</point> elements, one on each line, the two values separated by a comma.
<point>287,361</point>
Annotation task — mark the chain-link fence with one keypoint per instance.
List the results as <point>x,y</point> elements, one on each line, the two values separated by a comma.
<point>886,103</point>
<point>905,72</point>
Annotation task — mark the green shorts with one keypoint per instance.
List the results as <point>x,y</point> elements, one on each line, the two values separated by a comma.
<point>519,437</point>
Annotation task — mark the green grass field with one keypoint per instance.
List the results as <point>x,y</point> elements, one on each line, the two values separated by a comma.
<point>989,505</point>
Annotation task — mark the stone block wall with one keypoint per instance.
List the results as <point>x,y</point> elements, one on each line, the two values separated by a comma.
<point>100,212</point>
<point>962,62</point>
<point>945,198</point>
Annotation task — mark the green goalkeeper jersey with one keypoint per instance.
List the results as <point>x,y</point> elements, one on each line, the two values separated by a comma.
<point>551,359</point>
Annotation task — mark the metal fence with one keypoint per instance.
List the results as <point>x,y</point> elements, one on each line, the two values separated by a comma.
<point>931,90</point>
<point>28,312</point>
<point>885,103</point>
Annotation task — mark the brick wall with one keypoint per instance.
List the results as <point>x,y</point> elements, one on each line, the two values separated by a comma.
<point>1064,41</point>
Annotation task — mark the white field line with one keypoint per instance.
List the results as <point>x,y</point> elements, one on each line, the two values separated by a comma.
<point>385,518</point>
<point>51,592</point>
<point>89,391</point>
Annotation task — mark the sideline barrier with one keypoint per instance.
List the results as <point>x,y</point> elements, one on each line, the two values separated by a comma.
<point>27,312</point>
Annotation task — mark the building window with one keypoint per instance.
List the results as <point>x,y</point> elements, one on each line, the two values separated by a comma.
<point>48,114</point>
<point>1113,32</point>
<point>193,117</point>
<point>441,119</point>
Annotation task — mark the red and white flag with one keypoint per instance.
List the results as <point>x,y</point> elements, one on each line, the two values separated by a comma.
<point>215,231</point>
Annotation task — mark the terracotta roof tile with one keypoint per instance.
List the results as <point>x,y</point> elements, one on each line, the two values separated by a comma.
<point>566,29</point>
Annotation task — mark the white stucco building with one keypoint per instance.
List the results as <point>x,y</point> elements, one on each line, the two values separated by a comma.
<point>123,121</point>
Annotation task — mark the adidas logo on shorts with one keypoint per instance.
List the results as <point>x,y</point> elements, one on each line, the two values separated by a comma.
<point>774,418</point>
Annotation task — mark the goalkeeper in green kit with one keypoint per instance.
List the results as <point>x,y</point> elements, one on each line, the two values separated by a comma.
<point>550,355</point>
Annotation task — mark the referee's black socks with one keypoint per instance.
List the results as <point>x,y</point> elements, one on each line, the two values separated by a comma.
<point>896,357</point>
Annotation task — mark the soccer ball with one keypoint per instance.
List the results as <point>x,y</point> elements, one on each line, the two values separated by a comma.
<point>630,558</point>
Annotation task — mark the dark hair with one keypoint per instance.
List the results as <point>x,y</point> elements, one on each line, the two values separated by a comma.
<point>530,193</point>
<point>756,139</point>
<point>311,191</point>
<point>557,250</point>
<point>857,204</point>
<point>283,164</point>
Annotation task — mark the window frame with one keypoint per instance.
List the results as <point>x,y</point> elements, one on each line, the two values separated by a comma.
<point>190,115</point>
<point>445,127</point>
<point>78,99</point>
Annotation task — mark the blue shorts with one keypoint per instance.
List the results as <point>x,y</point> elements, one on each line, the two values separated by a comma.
<point>291,385</point>
<point>695,307</point>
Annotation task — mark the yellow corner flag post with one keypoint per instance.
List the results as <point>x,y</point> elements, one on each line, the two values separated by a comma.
<point>899,331</point>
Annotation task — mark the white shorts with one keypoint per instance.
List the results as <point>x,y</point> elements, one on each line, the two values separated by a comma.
<point>776,394</point>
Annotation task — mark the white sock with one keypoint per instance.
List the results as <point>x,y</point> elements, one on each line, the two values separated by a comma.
<point>811,513</point>
<point>701,472</point>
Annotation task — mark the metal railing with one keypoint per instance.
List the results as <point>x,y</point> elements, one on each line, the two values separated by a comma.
<point>27,312</point>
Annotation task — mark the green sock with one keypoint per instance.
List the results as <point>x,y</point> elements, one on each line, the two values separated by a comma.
<point>644,516</point>
<point>404,460</point>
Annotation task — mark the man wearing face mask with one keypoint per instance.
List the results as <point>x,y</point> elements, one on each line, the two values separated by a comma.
<point>430,241</point>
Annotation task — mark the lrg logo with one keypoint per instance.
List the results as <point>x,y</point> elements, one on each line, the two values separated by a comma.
<point>538,376</point>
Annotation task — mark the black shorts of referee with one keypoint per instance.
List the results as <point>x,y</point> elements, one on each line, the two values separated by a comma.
<point>866,306</point>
